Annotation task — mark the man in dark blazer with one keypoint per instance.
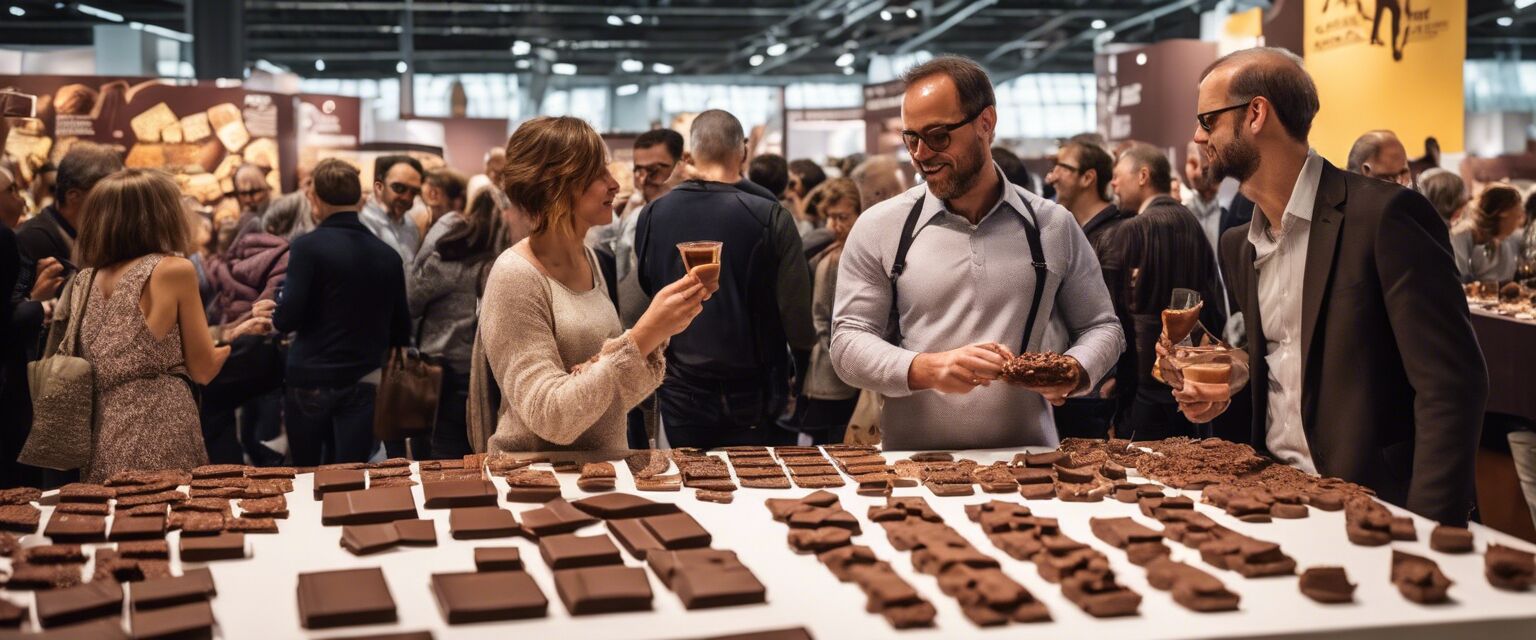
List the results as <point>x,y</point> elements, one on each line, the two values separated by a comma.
<point>1364,363</point>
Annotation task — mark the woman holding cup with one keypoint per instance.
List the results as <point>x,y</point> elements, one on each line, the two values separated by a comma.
<point>566,369</point>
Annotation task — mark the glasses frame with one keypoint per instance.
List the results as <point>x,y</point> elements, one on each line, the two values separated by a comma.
<point>1205,119</point>
<point>401,189</point>
<point>912,138</point>
<point>1068,167</point>
<point>655,169</point>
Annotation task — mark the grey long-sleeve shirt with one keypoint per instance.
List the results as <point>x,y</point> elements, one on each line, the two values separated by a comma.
<point>965,284</point>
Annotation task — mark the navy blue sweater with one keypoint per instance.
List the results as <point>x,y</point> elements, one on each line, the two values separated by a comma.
<point>344,299</point>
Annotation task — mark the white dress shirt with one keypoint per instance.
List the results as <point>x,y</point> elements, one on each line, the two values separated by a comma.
<point>401,235</point>
<point>1282,263</point>
<point>1208,214</point>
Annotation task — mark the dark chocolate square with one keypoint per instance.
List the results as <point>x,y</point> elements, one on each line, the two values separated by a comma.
<point>70,605</point>
<point>468,523</point>
<point>368,506</point>
<point>447,494</point>
<point>417,533</point>
<point>605,589</point>
<point>71,527</point>
<point>622,505</point>
<point>137,528</point>
<point>677,531</point>
<point>181,622</point>
<point>498,559</point>
<point>225,546</point>
<point>344,598</point>
<point>557,516</point>
<point>635,537</point>
<point>570,551</point>
<point>483,597</point>
<point>191,586</point>
<point>363,539</point>
<point>329,480</point>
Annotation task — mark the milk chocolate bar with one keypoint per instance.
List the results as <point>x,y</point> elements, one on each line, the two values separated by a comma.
<point>344,598</point>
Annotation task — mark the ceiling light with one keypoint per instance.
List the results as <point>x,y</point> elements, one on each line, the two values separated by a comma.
<point>911,13</point>
<point>777,49</point>
<point>1141,59</point>
<point>756,59</point>
<point>99,13</point>
<point>524,63</point>
<point>844,60</point>
<point>563,69</point>
<point>400,67</point>
<point>660,68</point>
<point>319,65</point>
<point>521,47</point>
<point>615,21</point>
<point>627,89</point>
<point>636,19</point>
<point>1521,4</point>
<point>1098,24</point>
<point>885,15</point>
<point>18,11</point>
<point>847,71</point>
<point>632,66</point>
<point>1505,21</point>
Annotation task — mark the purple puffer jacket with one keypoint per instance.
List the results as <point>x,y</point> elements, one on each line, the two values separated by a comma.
<point>251,270</point>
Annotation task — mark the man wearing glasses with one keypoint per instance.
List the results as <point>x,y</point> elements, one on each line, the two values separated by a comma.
<point>1363,362</point>
<point>254,194</point>
<point>396,183</point>
<point>990,269</point>
<point>1380,154</point>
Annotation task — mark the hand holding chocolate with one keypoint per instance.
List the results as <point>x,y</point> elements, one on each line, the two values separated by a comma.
<point>1041,370</point>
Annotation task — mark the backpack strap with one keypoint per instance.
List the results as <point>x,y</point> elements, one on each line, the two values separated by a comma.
<point>893,323</point>
<point>1037,256</point>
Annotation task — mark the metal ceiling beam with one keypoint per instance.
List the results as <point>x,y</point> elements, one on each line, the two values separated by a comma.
<point>526,7</point>
<point>949,23</point>
<point>1028,39</point>
<point>834,34</point>
<point>1088,36</point>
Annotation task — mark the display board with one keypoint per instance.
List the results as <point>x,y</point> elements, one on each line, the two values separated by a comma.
<point>1386,64</point>
<point>882,118</point>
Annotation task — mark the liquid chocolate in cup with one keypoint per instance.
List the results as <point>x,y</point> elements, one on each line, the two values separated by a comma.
<point>1177,324</point>
<point>701,259</point>
<point>1208,372</point>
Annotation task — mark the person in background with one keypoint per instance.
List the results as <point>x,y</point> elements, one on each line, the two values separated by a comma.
<point>1345,275</point>
<point>443,290</point>
<point>1013,168</point>
<point>22,318</point>
<point>552,345</point>
<point>344,301</point>
<point>1485,240</point>
<point>727,373</point>
<point>1161,248</point>
<point>804,176</point>
<point>443,193</point>
<point>396,183</point>
<point>1446,191</point>
<point>47,240</point>
<point>1379,154</point>
<point>145,343</point>
<point>879,179</point>
<point>495,161</point>
<point>1199,196</point>
<point>254,194</point>
<point>770,171</point>
<point>826,402</point>
<point>965,293</point>
<point>40,194</point>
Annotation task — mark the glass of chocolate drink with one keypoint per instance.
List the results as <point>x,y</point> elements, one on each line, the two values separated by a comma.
<point>1182,315</point>
<point>702,259</point>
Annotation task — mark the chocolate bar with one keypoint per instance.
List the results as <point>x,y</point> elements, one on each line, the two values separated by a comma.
<point>484,597</point>
<point>367,506</point>
<point>446,494</point>
<point>570,551</point>
<point>605,589</point>
<point>71,605</point>
<point>344,598</point>
<point>556,516</point>
<point>622,505</point>
<point>498,559</point>
<point>225,546</point>
<point>363,539</point>
<point>191,586</point>
<point>468,523</point>
<point>417,533</point>
<point>191,620</point>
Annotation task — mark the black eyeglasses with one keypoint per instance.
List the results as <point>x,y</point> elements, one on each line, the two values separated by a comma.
<point>654,169</point>
<point>403,189</point>
<point>1206,119</point>
<point>936,136</point>
<point>249,193</point>
<point>1069,167</point>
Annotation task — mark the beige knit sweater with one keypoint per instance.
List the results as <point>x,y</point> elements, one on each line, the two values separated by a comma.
<point>534,331</point>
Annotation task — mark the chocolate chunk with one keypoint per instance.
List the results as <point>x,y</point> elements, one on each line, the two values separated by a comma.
<point>677,531</point>
<point>818,540</point>
<point>206,505</point>
<point>946,490</point>
<point>667,565</point>
<point>820,499</point>
<point>1447,539</point>
<point>271,472</point>
<point>196,523</point>
<point>154,498</point>
<point>416,533</point>
<point>1045,491</point>
<point>368,506</point>
<point>137,528</point>
<point>20,495</point>
<point>83,492</point>
<point>878,488</point>
<point>670,483</point>
<point>710,585</point>
<point>192,620</point>
<point>1045,459</point>
<point>932,456</point>
<point>498,559</point>
<point>363,539</point>
<point>42,576</point>
<point>570,551</point>
<point>596,476</point>
<point>191,586</point>
<point>52,554</point>
<point>12,615</point>
<point>1328,500</point>
<point>1418,578</point>
<point>1112,470</point>
<point>344,598</point>
<point>1402,529</point>
<point>1506,567</point>
<point>605,589</point>
<point>1077,474</point>
<point>1122,532</point>
<point>391,472</point>
<point>69,527</point>
<point>70,605</point>
<point>330,480</point>
<point>274,507</point>
<point>531,485</point>
<point>382,483</point>
<point>718,497</point>
<point>1288,511</point>
<point>225,546</point>
<point>818,482</point>
<point>1367,523</point>
<point>145,550</point>
<point>484,597</point>
<point>84,508</point>
<point>145,510</point>
<point>1070,492</point>
<point>635,537</point>
<point>219,471</point>
<point>468,523</point>
<point>1033,475</point>
<point>1328,585</point>
<point>622,505</point>
<point>841,560</point>
<point>448,494</point>
<point>556,516</point>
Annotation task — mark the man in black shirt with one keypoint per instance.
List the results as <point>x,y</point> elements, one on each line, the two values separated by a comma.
<point>727,373</point>
<point>47,240</point>
<point>344,299</point>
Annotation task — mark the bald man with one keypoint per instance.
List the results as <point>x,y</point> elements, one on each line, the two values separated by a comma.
<point>254,194</point>
<point>1364,364</point>
<point>1380,154</point>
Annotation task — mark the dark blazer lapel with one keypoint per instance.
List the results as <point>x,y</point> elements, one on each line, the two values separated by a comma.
<point>1258,368</point>
<point>1322,252</point>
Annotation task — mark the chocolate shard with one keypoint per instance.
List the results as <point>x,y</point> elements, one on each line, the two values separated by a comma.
<point>1328,585</point>
<point>605,589</point>
<point>1447,539</point>
<point>191,620</point>
<point>191,586</point>
<point>1508,568</point>
<point>1419,579</point>
<point>71,605</point>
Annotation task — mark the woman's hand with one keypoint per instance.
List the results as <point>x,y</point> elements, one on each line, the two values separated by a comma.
<point>50,276</point>
<point>254,326</point>
<point>263,308</point>
<point>671,311</point>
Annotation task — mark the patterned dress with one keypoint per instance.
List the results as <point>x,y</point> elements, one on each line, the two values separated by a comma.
<point>145,416</point>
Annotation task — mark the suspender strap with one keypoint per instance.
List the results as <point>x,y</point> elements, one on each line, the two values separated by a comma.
<point>893,324</point>
<point>1037,255</point>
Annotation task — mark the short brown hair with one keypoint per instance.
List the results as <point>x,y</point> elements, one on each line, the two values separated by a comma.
<point>550,161</point>
<point>1279,76</point>
<point>336,182</point>
<point>451,182</point>
<point>1159,170</point>
<point>971,81</point>
<point>832,192</point>
<point>131,214</point>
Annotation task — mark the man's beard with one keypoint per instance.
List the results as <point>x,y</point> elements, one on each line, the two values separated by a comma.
<point>1238,160</point>
<point>962,177</point>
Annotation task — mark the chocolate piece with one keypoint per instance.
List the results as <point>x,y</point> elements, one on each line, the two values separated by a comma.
<point>344,598</point>
<point>672,483</point>
<point>196,523</point>
<point>83,492</point>
<point>160,509</point>
<point>206,505</point>
<point>20,495</point>
<point>950,490</point>
<point>841,560</point>
<point>70,605</point>
<point>145,550</point>
<point>622,505</point>
<point>635,537</point>
<point>605,589</point>
<point>719,497</point>
<point>498,559</point>
<point>468,523</point>
<point>818,482</point>
<point>1038,491</point>
<point>1078,474</point>
<point>1328,585</point>
<point>192,585</point>
<point>219,471</point>
<point>483,597</point>
<point>557,516</point>
<point>818,540</point>
<point>330,480</point>
<point>1418,578</point>
<point>160,486</point>
<point>596,476</point>
<point>1112,470</point>
<point>42,576</point>
<point>531,485</point>
<point>448,494</point>
<point>182,622</point>
<point>271,472</point>
<point>1366,522</point>
<point>718,585</point>
<point>225,546</point>
<point>668,565</point>
<point>1402,529</point>
<point>876,488</point>
<point>416,533</point>
<point>389,472</point>
<point>677,531</point>
<point>12,615</point>
<point>383,483</point>
<point>1447,539</point>
<point>84,508</point>
<point>137,528</point>
<point>69,527</point>
<point>1288,511</point>
<point>570,551</point>
<point>1047,459</point>
<point>368,506</point>
<point>1040,370</point>
<point>1070,492</point>
<point>52,554</point>
<point>1506,567</point>
<point>274,507</point>
<point>363,539</point>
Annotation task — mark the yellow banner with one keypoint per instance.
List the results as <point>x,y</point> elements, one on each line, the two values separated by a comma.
<point>1387,64</point>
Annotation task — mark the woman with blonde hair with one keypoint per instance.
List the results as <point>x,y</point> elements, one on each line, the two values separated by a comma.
<point>1484,240</point>
<point>551,341</point>
<point>143,329</point>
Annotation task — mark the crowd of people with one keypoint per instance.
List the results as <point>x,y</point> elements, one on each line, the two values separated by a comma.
<point>562,314</point>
